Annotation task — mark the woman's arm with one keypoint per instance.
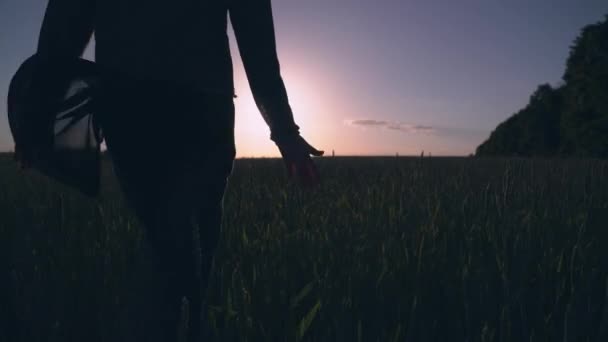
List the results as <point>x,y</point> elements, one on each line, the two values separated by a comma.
<point>66,29</point>
<point>254,30</point>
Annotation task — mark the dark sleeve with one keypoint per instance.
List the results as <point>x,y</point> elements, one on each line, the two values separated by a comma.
<point>254,30</point>
<point>67,28</point>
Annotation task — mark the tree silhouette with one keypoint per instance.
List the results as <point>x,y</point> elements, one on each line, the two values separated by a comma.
<point>569,120</point>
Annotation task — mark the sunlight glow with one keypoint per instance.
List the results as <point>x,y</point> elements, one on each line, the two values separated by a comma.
<point>252,133</point>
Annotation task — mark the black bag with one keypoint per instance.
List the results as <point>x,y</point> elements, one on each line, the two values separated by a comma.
<point>51,106</point>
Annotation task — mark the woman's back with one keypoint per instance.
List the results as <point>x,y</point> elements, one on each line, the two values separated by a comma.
<point>178,40</point>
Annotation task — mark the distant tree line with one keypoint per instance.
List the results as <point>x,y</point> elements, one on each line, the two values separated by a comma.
<point>570,120</point>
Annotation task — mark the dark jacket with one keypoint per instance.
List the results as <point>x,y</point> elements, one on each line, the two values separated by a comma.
<point>183,41</point>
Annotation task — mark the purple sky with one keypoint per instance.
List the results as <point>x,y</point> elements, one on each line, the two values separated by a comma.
<point>383,76</point>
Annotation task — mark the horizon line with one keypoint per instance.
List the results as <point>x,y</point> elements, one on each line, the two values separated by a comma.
<point>394,155</point>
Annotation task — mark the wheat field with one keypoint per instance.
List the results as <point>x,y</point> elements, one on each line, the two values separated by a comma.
<point>386,249</point>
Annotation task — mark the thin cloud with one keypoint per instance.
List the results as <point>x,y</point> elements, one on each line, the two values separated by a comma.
<point>368,122</point>
<point>393,125</point>
<point>411,128</point>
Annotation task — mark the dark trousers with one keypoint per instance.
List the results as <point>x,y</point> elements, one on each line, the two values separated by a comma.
<point>172,153</point>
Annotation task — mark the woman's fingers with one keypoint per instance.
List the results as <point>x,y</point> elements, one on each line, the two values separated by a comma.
<point>292,169</point>
<point>314,151</point>
<point>304,170</point>
<point>296,155</point>
<point>313,173</point>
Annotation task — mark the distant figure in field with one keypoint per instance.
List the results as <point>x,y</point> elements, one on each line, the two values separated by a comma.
<point>167,114</point>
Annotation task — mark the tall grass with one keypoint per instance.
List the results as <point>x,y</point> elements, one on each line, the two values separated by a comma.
<point>387,249</point>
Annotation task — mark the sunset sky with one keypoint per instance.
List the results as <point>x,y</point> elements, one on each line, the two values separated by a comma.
<point>379,77</point>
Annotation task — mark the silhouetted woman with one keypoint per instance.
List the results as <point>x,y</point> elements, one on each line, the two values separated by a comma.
<point>167,115</point>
